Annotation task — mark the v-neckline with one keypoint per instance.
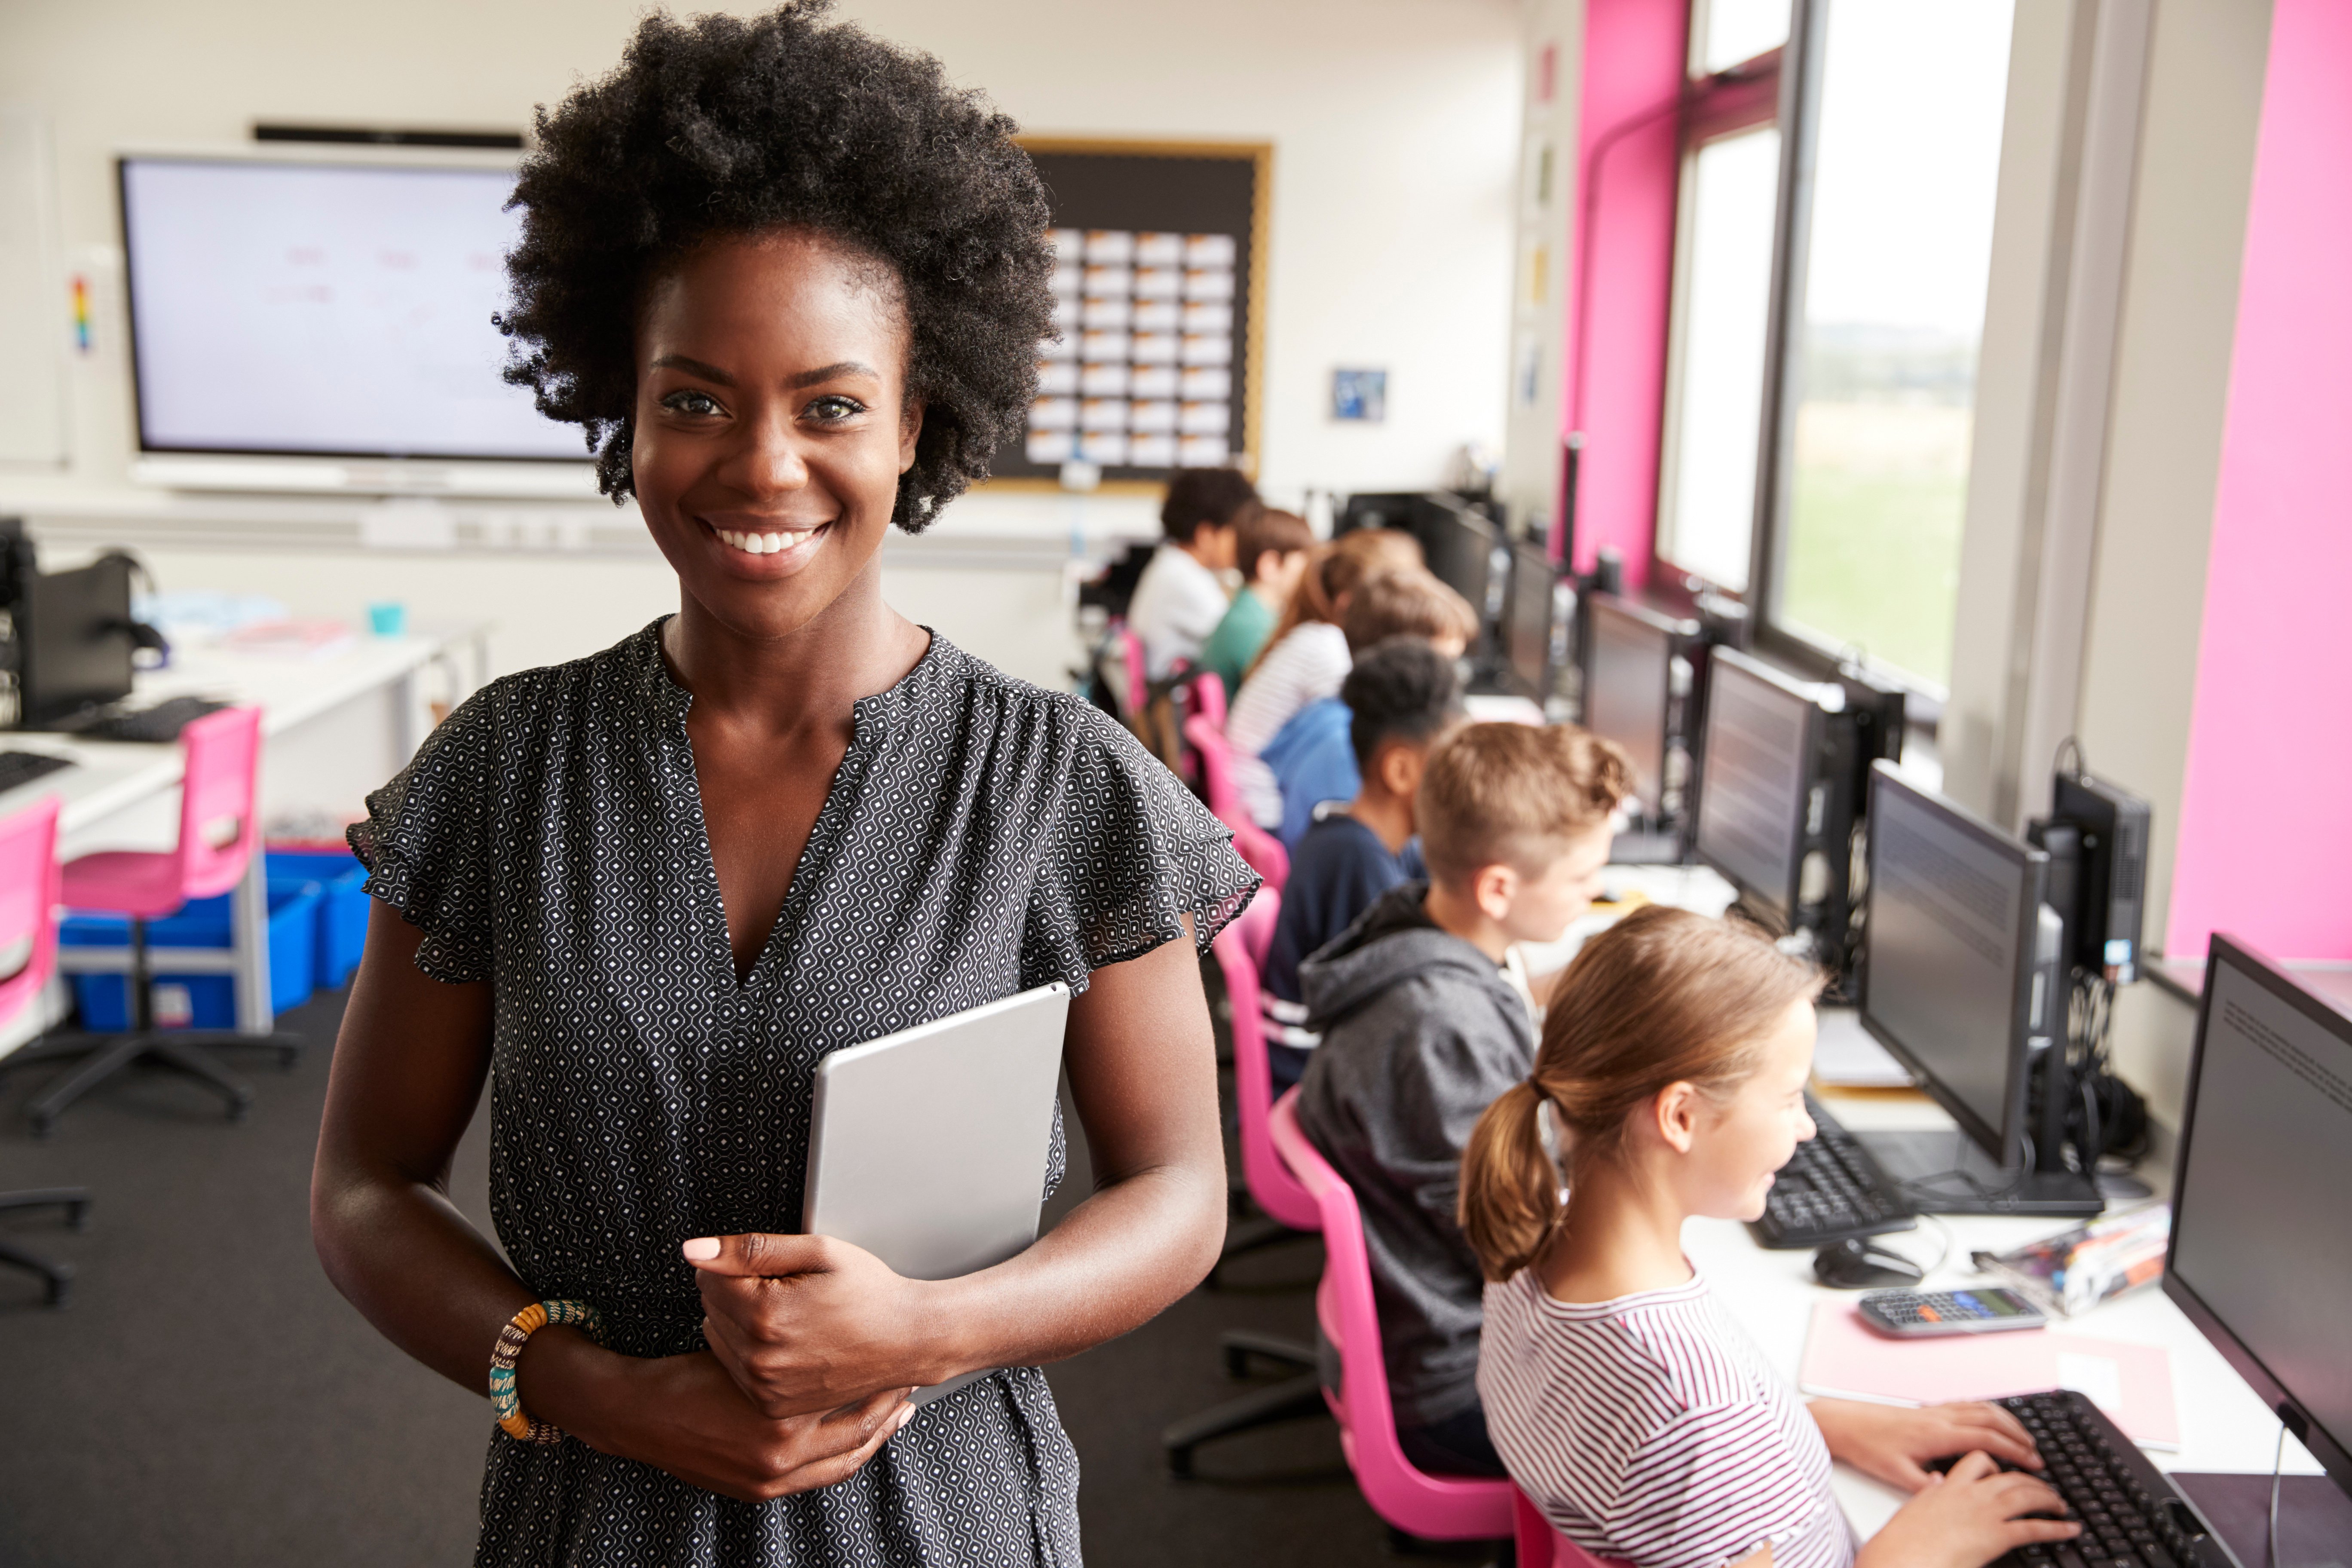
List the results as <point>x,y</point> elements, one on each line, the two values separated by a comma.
<point>866,725</point>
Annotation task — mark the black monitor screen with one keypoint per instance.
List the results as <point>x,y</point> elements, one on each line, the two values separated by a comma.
<point>1627,692</point>
<point>1755,773</point>
<point>77,644</point>
<point>1953,903</point>
<point>1533,580</point>
<point>1460,548</point>
<point>2258,1236</point>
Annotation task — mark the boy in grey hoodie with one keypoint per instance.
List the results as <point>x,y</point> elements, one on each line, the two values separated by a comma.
<point>1424,1027</point>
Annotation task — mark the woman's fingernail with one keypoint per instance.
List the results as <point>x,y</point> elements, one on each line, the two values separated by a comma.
<point>702,1249</point>
<point>904,1415</point>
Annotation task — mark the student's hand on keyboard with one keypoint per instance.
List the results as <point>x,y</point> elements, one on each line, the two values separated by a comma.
<point>806,1324</point>
<point>1892,1444</point>
<point>1967,1518</point>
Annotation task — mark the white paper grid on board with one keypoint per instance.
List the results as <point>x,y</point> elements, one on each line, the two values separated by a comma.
<point>1143,374</point>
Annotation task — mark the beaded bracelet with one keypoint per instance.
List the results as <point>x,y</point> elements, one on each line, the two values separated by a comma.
<point>506,1402</point>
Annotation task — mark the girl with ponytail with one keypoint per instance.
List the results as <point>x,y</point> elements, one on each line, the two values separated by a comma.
<point>1620,1394</point>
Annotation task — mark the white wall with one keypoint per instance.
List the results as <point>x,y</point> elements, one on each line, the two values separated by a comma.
<point>1395,125</point>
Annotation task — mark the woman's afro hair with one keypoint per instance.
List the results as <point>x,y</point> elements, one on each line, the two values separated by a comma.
<point>724,126</point>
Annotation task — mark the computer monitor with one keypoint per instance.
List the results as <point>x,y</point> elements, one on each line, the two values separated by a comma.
<point>1529,617</point>
<point>1457,541</point>
<point>1961,983</point>
<point>74,641</point>
<point>1629,689</point>
<point>2261,1255</point>
<point>291,306</point>
<point>1756,776</point>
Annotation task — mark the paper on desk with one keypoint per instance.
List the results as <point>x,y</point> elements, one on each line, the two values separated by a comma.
<point>1846,1055</point>
<point>1845,1359</point>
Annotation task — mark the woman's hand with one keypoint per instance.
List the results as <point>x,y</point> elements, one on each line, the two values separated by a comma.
<point>1890,1443</point>
<point>1968,1518</point>
<point>806,1324</point>
<point>684,1413</point>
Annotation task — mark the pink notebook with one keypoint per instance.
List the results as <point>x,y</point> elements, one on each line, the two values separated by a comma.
<point>1845,1359</point>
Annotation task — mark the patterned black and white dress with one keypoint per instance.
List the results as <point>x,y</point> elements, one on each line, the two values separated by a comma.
<point>982,837</point>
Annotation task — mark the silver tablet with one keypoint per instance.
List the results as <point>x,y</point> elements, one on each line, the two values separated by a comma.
<point>927,1148</point>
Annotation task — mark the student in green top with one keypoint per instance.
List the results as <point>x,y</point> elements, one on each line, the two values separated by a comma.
<point>1271,549</point>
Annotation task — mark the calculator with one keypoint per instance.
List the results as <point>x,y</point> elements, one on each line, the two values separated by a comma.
<point>1910,1314</point>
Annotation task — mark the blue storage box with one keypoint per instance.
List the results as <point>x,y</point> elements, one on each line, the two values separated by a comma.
<point>342,906</point>
<point>205,922</point>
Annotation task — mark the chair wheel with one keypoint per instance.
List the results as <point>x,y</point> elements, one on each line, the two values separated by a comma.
<point>78,1215</point>
<point>1180,1463</point>
<point>287,1057</point>
<point>60,1290</point>
<point>42,1122</point>
<point>1236,1361</point>
<point>238,1107</point>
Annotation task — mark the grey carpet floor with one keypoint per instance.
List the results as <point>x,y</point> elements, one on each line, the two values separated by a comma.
<point>207,1398</point>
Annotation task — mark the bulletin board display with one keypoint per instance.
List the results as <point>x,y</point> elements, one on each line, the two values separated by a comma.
<point>1158,296</point>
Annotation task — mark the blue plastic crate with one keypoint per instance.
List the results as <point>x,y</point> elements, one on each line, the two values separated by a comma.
<point>205,922</point>
<point>342,906</point>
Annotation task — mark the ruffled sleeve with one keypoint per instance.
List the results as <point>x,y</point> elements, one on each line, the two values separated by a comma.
<point>1132,851</point>
<point>427,842</point>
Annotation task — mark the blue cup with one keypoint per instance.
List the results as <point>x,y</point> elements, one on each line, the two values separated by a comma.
<point>388,618</point>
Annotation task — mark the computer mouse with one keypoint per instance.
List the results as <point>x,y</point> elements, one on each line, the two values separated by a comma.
<point>1858,1265</point>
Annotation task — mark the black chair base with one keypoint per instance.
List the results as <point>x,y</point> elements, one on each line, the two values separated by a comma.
<point>103,1057</point>
<point>1292,1399</point>
<point>59,1277</point>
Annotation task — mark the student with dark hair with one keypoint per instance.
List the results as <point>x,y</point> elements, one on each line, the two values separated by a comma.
<point>1402,698</point>
<point>789,279</point>
<point>1179,600</point>
<point>1310,758</point>
<point>1271,550</point>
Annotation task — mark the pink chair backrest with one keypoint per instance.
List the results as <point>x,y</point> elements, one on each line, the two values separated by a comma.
<point>1139,675</point>
<point>1262,849</point>
<point>1541,1546</point>
<point>1209,699</point>
<point>31,885</point>
<point>1439,1508</point>
<point>1275,1190</point>
<point>220,826</point>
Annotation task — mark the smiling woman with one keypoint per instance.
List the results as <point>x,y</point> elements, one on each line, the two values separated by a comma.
<point>790,282</point>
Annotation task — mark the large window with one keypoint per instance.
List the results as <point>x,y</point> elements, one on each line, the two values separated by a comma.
<point>1882,338</point>
<point>1714,367</point>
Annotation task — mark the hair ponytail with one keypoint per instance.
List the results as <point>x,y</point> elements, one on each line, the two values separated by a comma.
<point>1663,997</point>
<point>1510,1186</point>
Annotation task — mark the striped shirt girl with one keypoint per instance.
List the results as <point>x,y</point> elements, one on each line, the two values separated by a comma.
<point>1648,1429</point>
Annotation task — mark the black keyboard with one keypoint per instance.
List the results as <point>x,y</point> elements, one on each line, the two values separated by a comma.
<point>20,768</point>
<point>2132,1516</point>
<point>155,726</point>
<point>1830,1190</point>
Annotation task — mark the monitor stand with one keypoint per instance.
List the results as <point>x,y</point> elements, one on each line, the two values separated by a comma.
<point>1945,1172</point>
<point>2314,1517</point>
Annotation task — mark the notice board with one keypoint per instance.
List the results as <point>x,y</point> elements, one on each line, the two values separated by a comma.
<point>1159,297</point>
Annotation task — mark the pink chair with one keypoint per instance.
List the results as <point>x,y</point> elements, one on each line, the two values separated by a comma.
<point>1262,849</point>
<point>220,833</point>
<point>1288,1209</point>
<point>1541,1546</point>
<point>28,921</point>
<point>1208,691</point>
<point>1436,1508</point>
<point>1138,695</point>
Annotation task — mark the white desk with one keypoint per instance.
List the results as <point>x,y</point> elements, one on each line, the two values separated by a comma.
<point>2223,1427</point>
<point>334,727</point>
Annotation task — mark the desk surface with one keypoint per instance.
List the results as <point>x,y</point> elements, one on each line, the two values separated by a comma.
<point>111,775</point>
<point>2224,1426</point>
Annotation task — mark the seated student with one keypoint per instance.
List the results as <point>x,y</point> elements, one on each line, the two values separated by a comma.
<point>1272,549</point>
<point>1310,758</point>
<point>1617,1387</point>
<point>1306,657</point>
<point>1402,698</point>
<point>1421,1030</point>
<point>1179,600</point>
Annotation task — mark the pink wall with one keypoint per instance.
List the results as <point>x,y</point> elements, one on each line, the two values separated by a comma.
<point>2266,843</point>
<point>1635,52</point>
